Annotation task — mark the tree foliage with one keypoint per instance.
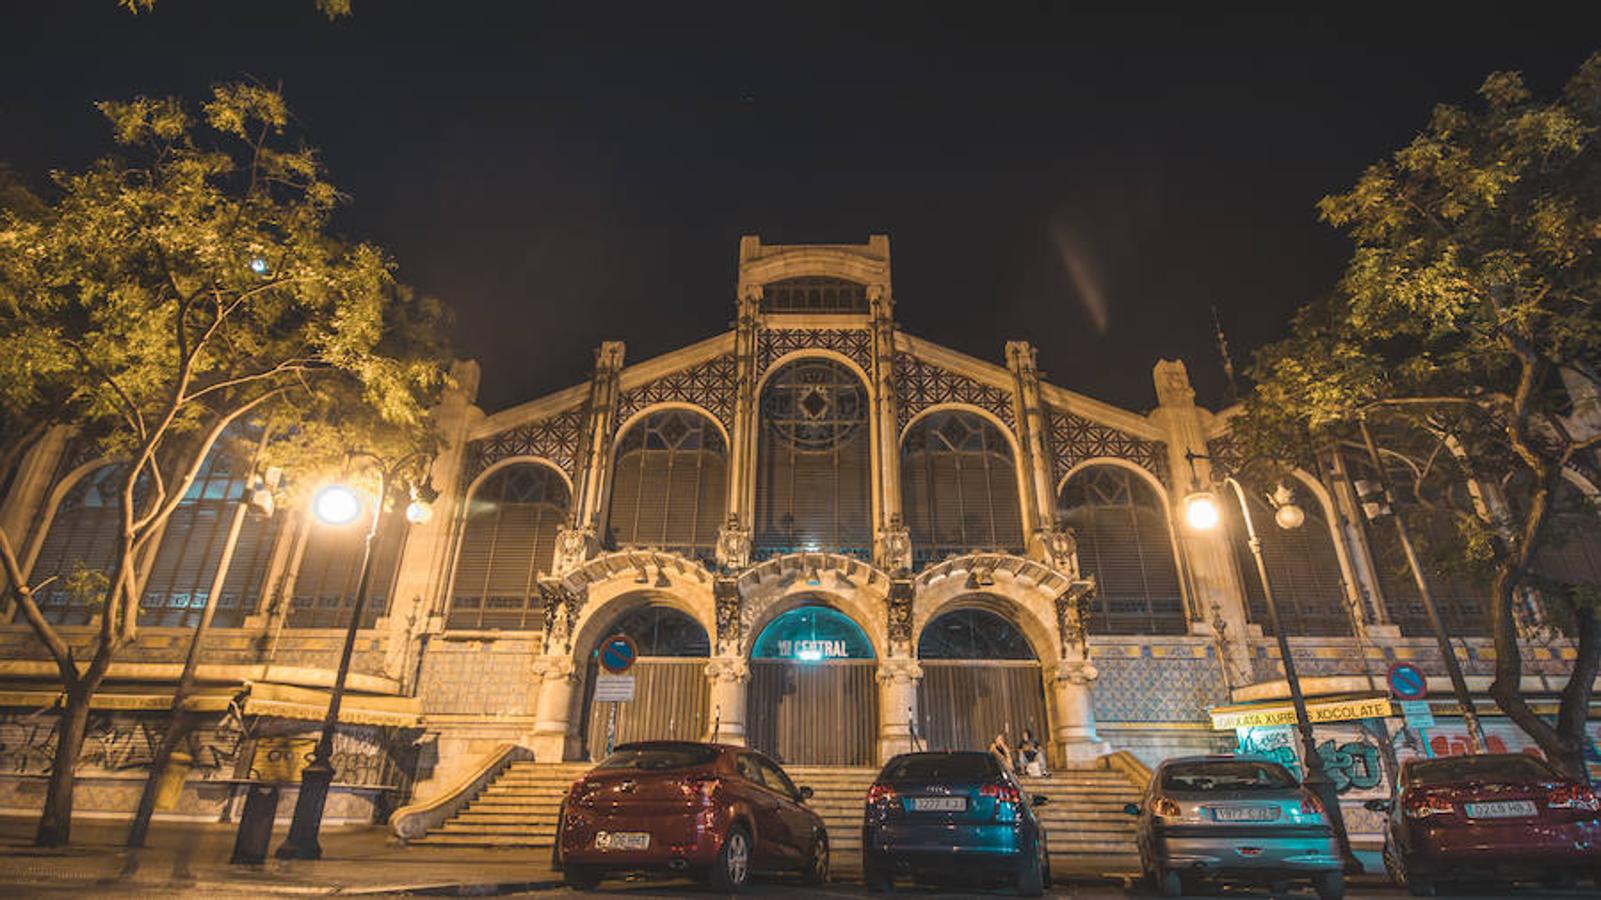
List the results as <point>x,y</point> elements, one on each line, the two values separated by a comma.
<point>175,291</point>
<point>1466,328</point>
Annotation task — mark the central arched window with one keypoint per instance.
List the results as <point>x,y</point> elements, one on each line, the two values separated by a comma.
<point>668,484</point>
<point>814,478</point>
<point>972,634</point>
<point>812,634</point>
<point>508,541</point>
<point>959,487</point>
<point>1123,540</point>
<point>1302,565</point>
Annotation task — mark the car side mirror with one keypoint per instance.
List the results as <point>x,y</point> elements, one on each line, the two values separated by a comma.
<point>1039,800</point>
<point>1132,809</point>
<point>1378,805</point>
<point>805,792</point>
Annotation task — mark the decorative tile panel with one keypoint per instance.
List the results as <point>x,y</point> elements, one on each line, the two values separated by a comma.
<point>712,386</point>
<point>855,344</point>
<point>556,439</point>
<point>1075,439</point>
<point>920,385</point>
<point>1156,683</point>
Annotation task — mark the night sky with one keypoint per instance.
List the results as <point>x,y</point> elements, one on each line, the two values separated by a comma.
<point>563,174</point>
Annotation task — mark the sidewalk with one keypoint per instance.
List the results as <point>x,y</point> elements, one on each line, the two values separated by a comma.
<point>194,857</point>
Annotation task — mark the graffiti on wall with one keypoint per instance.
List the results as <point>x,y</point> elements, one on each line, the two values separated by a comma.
<point>1351,757</point>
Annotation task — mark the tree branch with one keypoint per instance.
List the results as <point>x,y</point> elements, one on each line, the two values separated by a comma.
<point>59,651</point>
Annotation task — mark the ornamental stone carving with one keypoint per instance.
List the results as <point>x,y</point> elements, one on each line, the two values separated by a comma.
<point>554,668</point>
<point>898,605</point>
<point>895,546</point>
<point>900,672</point>
<point>730,619</point>
<point>1057,547</point>
<point>562,606</point>
<point>728,669</point>
<point>575,544</point>
<point>1070,619</point>
<point>733,545</point>
<point>1077,672</point>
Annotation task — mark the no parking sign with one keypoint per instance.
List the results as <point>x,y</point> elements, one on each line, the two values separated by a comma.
<point>1407,682</point>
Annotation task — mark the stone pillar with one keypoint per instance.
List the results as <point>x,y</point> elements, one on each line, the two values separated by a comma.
<point>1077,741</point>
<point>552,707</point>
<point>729,676</point>
<point>1350,518</point>
<point>599,419</point>
<point>742,442</point>
<point>886,416</point>
<point>1217,598</point>
<point>417,603</point>
<point>897,706</point>
<point>1039,510</point>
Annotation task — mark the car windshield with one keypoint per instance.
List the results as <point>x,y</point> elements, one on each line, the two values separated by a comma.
<point>1457,769</point>
<point>941,767</point>
<point>670,756</point>
<point>1226,775</point>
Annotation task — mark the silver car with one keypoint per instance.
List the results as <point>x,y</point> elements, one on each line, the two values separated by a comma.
<point>1234,818</point>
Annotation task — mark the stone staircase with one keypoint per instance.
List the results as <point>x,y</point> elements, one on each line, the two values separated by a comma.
<point>1084,818</point>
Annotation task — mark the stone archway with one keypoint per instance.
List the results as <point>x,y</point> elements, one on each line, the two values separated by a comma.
<point>981,677</point>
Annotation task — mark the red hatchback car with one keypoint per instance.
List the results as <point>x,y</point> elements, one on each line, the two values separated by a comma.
<point>1501,815</point>
<point>718,812</point>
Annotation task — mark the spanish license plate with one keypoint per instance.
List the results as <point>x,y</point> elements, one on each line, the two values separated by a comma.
<point>622,840</point>
<point>1245,813</point>
<point>939,804</point>
<point>1500,809</point>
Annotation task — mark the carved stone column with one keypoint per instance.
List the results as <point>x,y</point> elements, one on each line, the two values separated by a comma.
<point>1076,738</point>
<point>897,706</point>
<point>1029,409</point>
<point>553,707</point>
<point>728,676</point>
<point>600,417</point>
<point>886,415</point>
<point>742,442</point>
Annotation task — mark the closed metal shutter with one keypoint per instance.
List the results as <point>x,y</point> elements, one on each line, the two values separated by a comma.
<point>1123,540</point>
<point>330,567</point>
<point>668,485</point>
<point>959,487</point>
<point>964,704</point>
<point>1302,566</point>
<point>509,539</point>
<point>823,713</point>
<point>83,534</point>
<point>670,700</point>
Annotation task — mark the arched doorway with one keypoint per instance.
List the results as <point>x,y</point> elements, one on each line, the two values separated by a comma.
<point>813,699</point>
<point>980,678</point>
<point>670,689</point>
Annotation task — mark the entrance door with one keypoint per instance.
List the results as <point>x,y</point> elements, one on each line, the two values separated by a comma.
<point>980,679</point>
<point>670,689</point>
<point>813,697</point>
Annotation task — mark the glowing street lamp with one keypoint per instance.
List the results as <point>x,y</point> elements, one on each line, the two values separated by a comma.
<point>336,504</point>
<point>1201,511</point>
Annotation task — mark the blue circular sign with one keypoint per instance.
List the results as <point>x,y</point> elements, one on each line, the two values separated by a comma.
<point>1407,682</point>
<point>618,653</point>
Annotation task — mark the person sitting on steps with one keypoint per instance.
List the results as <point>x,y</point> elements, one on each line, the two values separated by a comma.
<point>1031,756</point>
<point>1002,751</point>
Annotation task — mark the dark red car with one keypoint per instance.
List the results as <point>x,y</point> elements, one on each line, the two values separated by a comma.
<point>1504,815</point>
<point>718,812</point>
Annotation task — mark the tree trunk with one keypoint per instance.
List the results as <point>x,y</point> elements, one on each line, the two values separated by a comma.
<point>55,824</point>
<point>1575,709</point>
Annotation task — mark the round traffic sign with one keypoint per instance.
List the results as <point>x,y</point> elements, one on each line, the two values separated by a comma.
<point>1407,682</point>
<point>617,654</point>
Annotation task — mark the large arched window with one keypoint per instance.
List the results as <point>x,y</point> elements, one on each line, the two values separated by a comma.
<point>668,484</point>
<point>812,634</point>
<point>83,535</point>
<point>192,545</point>
<point>1301,564</point>
<point>508,540</point>
<point>325,583</point>
<point>814,478</point>
<point>959,487</point>
<point>972,634</point>
<point>663,631</point>
<point>1123,540</point>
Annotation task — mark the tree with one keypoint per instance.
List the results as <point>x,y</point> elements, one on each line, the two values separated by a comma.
<point>164,298</point>
<point>1466,326</point>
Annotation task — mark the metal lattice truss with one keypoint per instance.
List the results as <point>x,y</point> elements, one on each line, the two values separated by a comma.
<point>855,344</point>
<point>556,439</point>
<point>1075,439</point>
<point>712,386</point>
<point>920,385</point>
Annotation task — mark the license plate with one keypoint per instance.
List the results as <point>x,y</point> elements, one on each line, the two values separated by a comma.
<point>939,804</point>
<point>1500,809</point>
<point>622,840</point>
<point>1245,813</point>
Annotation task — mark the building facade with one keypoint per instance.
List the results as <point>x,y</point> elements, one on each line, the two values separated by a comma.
<point>828,538</point>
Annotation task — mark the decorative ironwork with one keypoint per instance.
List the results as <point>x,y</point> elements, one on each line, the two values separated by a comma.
<point>1075,439</point>
<point>712,386</point>
<point>556,439</point>
<point>920,385</point>
<point>855,344</point>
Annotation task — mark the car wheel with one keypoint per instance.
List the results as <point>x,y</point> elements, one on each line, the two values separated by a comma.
<point>816,871</point>
<point>732,868</point>
<point>1169,883</point>
<point>582,878</point>
<point>1329,885</point>
<point>1031,875</point>
<point>1392,865</point>
<point>879,878</point>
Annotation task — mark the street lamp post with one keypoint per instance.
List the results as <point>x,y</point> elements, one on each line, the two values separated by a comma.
<point>339,505</point>
<point>1201,511</point>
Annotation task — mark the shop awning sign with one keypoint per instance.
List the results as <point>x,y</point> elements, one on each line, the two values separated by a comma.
<point>1324,709</point>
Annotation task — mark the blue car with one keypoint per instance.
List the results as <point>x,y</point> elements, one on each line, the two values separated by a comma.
<point>949,815</point>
